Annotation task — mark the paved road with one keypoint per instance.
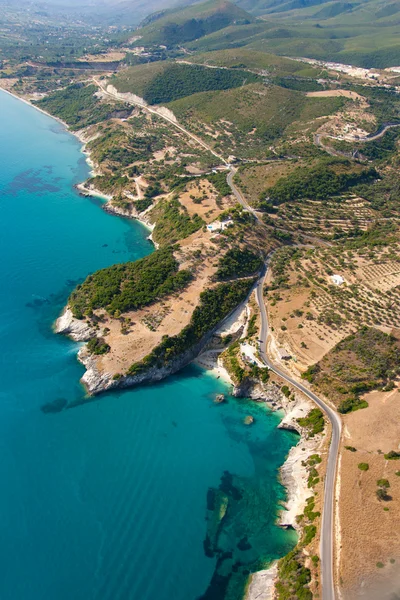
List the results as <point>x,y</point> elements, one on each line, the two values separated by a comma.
<point>327,526</point>
<point>237,193</point>
<point>123,97</point>
<point>326,549</point>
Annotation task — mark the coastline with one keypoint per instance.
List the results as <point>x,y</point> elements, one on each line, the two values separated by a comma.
<point>81,187</point>
<point>292,474</point>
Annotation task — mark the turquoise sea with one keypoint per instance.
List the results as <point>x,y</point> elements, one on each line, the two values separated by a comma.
<point>118,498</point>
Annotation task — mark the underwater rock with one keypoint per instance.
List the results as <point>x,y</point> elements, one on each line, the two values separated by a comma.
<point>219,398</point>
<point>244,544</point>
<point>54,406</point>
<point>248,420</point>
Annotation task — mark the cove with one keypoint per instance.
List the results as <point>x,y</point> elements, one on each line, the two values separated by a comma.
<point>113,499</point>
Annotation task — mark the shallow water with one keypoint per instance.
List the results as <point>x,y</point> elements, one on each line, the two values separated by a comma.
<point>109,500</point>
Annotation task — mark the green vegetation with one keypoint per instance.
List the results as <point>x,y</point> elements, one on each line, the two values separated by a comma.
<point>392,455</point>
<point>238,262</point>
<point>382,491</point>
<point>252,328</point>
<point>293,577</point>
<point>177,26</point>
<point>364,361</point>
<point>179,81</point>
<point>142,204</point>
<point>320,182</point>
<point>245,58</point>
<point>173,81</point>
<point>309,512</point>
<point>129,286</point>
<point>363,466</point>
<point>314,422</point>
<point>97,346</point>
<point>247,119</point>
<point>215,305</point>
<point>351,448</point>
<point>218,180</point>
<point>309,534</point>
<point>232,362</point>
<point>77,106</point>
<point>173,222</point>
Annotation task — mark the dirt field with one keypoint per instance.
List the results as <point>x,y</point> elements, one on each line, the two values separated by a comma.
<point>370,550</point>
<point>328,93</point>
<point>201,199</point>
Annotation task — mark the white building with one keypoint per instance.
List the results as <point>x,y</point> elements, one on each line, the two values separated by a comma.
<point>337,279</point>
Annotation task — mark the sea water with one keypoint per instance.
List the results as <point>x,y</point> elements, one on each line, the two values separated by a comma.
<point>119,498</point>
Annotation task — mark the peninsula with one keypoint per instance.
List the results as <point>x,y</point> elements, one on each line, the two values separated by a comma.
<point>268,183</point>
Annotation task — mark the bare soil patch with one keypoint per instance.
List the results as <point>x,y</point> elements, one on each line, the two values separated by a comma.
<point>370,533</point>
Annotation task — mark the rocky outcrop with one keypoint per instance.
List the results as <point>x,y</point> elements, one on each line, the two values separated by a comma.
<point>76,329</point>
<point>97,381</point>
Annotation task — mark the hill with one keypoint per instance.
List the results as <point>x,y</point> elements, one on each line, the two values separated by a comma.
<point>177,26</point>
<point>162,82</point>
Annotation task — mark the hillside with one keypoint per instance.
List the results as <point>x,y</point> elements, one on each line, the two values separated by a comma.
<point>178,26</point>
<point>162,82</point>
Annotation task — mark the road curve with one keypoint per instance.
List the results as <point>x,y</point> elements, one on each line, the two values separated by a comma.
<point>327,525</point>
<point>120,97</point>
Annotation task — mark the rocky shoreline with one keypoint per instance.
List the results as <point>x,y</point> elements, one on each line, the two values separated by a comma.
<point>292,474</point>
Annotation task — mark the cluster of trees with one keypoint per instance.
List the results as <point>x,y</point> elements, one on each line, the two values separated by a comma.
<point>298,84</point>
<point>97,346</point>
<point>76,105</point>
<point>142,204</point>
<point>280,265</point>
<point>293,577</point>
<point>215,305</point>
<point>109,183</point>
<point>179,80</point>
<point>383,195</point>
<point>319,182</point>
<point>173,223</point>
<point>238,263</point>
<point>139,149</point>
<point>218,180</point>
<point>382,148</point>
<point>129,286</point>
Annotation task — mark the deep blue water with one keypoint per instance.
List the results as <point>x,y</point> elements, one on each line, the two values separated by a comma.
<point>108,500</point>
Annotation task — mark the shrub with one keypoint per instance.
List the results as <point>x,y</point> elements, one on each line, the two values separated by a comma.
<point>363,466</point>
<point>392,455</point>
<point>314,422</point>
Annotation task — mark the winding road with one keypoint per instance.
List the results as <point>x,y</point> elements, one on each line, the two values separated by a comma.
<point>327,527</point>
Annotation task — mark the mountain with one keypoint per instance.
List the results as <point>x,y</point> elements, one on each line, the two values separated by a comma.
<point>178,26</point>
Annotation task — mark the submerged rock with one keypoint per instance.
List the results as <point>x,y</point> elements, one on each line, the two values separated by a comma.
<point>248,420</point>
<point>219,398</point>
<point>54,406</point>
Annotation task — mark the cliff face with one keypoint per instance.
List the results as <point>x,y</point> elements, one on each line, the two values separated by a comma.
<point>77,330</point>
<point>97,381</point>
